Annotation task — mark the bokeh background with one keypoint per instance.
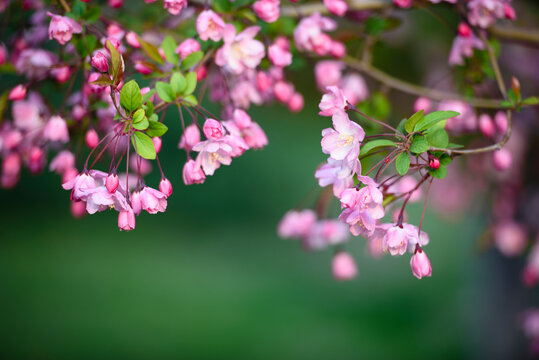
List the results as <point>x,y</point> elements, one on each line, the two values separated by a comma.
<point>210,278</point>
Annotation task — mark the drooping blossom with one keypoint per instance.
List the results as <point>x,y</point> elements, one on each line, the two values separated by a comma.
<point>463,47</point>
<point>326,233</point>
<point>310,34</point>
<point>210,26</point>
<point>213,154</point>
<point>466,121</point>
<point>267,10</point>
<point>343,266</point>
<point>279,52</point>
<point>239,51</point>
<point>152,200</point>
<point>338,173</point>
<point>342,141</point>
<point>126,219</point>
<point>484,13</point>
<point>502,159</point>
<point>336,7</point>
<point>192,173</point>
<point>190,137</point>
<point>420,264</point>
<point>62,28</point>
<point>333,101</point>
<point>296,224</point>
<point>62,162</point>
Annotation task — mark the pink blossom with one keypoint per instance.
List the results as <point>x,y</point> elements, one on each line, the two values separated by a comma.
<point>126,220</point>
<point>502,159</point>
<point>100,199</point>
<point>78,209</point>
<point>254,136</point>
<point>423,103</point>
<point>343,141</point>
<point>267,10</point>
<point>483,13</point>
<point>405,4</point>
<point>210,26</point>
<point>187,47</point>
<point>11,168</point>
<point>213,154</point>
<point>328,73</point>
<point>510,238</point>
<point>100,61</point>
<point>354,88</point>
<point>332,102</point>
<point>343,266</point>
<point>486,125</point>
<point>463,47</point>
<point>362,207</point>
<point>420,264</point>
<point>309,34</point>
<point>336,7</point>
<point>61,74</point>
<point>283,91</point>
<point>295,104</point>
<point>142,68</point>
<point>153,201</point>
<point>405,185</point>
<point>91,138</point>
<point>500,119</point>
<point>213,129</point>
<point>175,7</point>
<point>62,28</point>
<point>35,63</point>
<point>509,12</point>
<point>296,224</point>
<point>325,233</point>
<point>337,49</point>
<point>190,137</point>
<point>165,187</point>
<point>62,162</point>
<point>3,54</point>
<point>26,115</point>
<point>132,39</point>
<point>239,51</point>
<point>339,173</point>
<point>465,122</point>
<point>80,184</point>
<point>17,93</point>
<point>279,52</point>
<point>157,143</point>
<point>192,173</point>
<point>112,183</point>
<point>115,4</point>
<point>395,241</point>
<point>241,119</point>
<point>136,202</point>
<point>56,130</point>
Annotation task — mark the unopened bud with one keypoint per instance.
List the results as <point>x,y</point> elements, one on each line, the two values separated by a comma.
<point>112,183</point>
<point>165,187</point>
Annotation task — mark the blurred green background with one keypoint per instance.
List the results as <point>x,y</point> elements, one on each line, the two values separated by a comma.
<point>210,279</point>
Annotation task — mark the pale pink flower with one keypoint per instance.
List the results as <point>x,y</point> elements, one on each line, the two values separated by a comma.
<point>100,199</point>
<point>80,184</point>
<point>190,137</point>
<point>296,224</point>
<point>343,266</point>
<point>484,13</point>
<point>332,102</point>
<point>192,173</point>
<point>241,119</point>
<point>342,142</point>
<point>35,63</point>
<point>210,26</point>
<point>175,7</point>
<point>267,10</point>
<point>439,1</point>
<point>213,154</point>
<point>510,238</point>
<point>132,39</point>
<point>336,7</point>
<point>56,130</point>
<point>328,73</point>
<point>283,91</point>
<point>187,47</point>
<point>339,173</point>
<point>17,93</point>
<point>62,28</point>
<point>465,122</point>
<point>486,125</point>
<point>254,136</point>
<point>296,102</point>
<point>502,159</point>
<point>362,207</point>
<point>309,34</point>
<point>405,185</point>
<point>240,51</point>
<point>61,74</point>
<point>500,119</point>
<point>337,50</point>
<point>62,162</point>
<point>26,115</point>
<point>423,103</point>
<point>420,264</point>
<point>354,88</point>
<point>395,241</point>
<point>126,220</point>
<point>325,233</point>
<point>279,52</point>
<point>463,47</point>
<point>153,201</point>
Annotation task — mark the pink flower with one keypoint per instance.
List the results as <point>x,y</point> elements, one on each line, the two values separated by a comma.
<point>332,102</point>
<point>62,28</point>
<point>465,122</point>
<point>56,130</point>
<point>132,39</point>
<point>142,68</point>
<point>396,241</point>
<point>192,173</point>
<point>165,187</point>
<point>337,50</point>
<point>11,169</point>
<point>254,136</point>
<point>362,207</point>
<point>187,47</point>
<point>100,61</point>
<point>325,233</point>
<point>175,7</point>
<point>336,7</point>
<point>309,34</point>
<point>80,185</point>
<point>157,143</point>
<point>463,47</point>
<point>295,104</point>
<point>502,159</point>
<point>213,154</point>
<point>354,88</point>
<point>500,119</point>
<point>61,74</point>
<point>405,4</point>
<point>62,162</point>
<point>339,173</point>
<point>342,142</point>
<point>153,201</point>
<point>509,12</point>
<point>328,73</point>
<point>190,137</point>
<point>210,26</point>
<point>115,4</point>
<point>112,183</point>
<point>420,264</point>
<point>17,93</point>
<point>296,224</point>
<point>283,91</point>
<point>510,238</point>
<point>126,220</point>
<point>91,138</point>
<point>213,129</point>
<point>279,52</point>
<point>240,51</point>
<point>483,13</point>
<point>241,119</point>
<point>267,10</point>
<point>423,103</point>
<point>486,125</point>
<point>343,266</point>
<point>78,209</point>
<point>26,115</point>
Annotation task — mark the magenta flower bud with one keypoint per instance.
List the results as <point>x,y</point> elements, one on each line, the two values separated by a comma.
<point>56,130</point>
<point>336,7</point>
<point>263,81</point>
<point>296,103</point>
<point>420,264</point>
<point>91,138</point>
<point>213,129</point>
<point>132,39</point>
<point>126,220</point>
<point>404,4</point>
<point>61,74</point>
<point>142,68</point>
<point>112,183</point>
<point>78,209</point>
<point>283,91</point>
<point>343,266</point>
<point>192,173</point>
<point>100,61</point>
<point>500,119</point>
<point>35,160</point>
<point>62,28</point>
<point>3,54</point>
<point>464,30</point>
<point>202,72</point>
<point>422,103</point>
<point>165,187</point>
<point>115,4</point>
<point>509,12</point>
<point>187,47</point>
<point>157,144</point>
<point>267,10</point>
<point>502,159</point>
<point>136,203</point>
<point>434,163</point>
<point>241,119</point>
<point>486,126</point>
<point>11,165</point>
<point>17,93</point>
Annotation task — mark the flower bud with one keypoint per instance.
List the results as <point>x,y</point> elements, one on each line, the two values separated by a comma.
<point>500,119</point>
<point>17,93</point>
<point>78,209</point>
<point>296,103</point>
<point>115,4</point>
<point>157,144</point>
<point>337,50</point>
<point>132,40</point>
<point>486,126</point>
<point>190,137</point>
<point>434,163</point>
<point>126,220</point>
<point>91,138</point>
<point>404,4</point>
<point>502,159</point>
<point>464,30</point>
<point>142,68</point>
<point>136,203</point>
<point>100,61</point>
<point>36,160</point>
<point>241,119</point>
<point>213,129</point>
<point>283,91</point>
<point>420,264</point>
<point>165,187</point>
<point>202,72</point>
<point>422,103</point>
<point>336,7</point>
<point>61,74</point>
<point>267,10</point>
<point>515,86</point>
<point>343,266</point>
<point>69,174</point>
<point>509,12</point>
<point>192,173</point>
<point>112,183</point>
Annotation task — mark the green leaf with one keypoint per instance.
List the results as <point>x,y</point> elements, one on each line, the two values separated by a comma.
<point>419,145</point>
<point>143,145</point>
<point>154,117</point>
<point>169,46</point>
<point>191,78</point>
<point>151,51</point>
<point>192,59</point>
<point>401,127</point>
<point>102,80</point>
<point>78,9</point>
<point>142,125</point>
<point>445,159</point>
<point>138,116</point>
<point>147,96</point>
<point>165,91</point>
<point>506,104</point>
<point>149,108</point>
<point>438,138</point>
<point>190,100</point>
<point>433,118</point>
<point>413,120</point>
<point>402,163</point>
<point>92,15</point>
<point>374,25</point>
<point>532,100</point>
<point>156,129</point>
<point>178,83</point>
<point>365,148</point>
<point>439,173</point>
<point>130,97</point>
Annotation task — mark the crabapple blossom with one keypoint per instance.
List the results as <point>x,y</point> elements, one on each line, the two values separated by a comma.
<point>112,183</point>
<point>187,47</point>
<point>420,264</point>
<point>239,51</point>
<point>175,7</point>
<point>297,224</point>
<point>62,162</point>
<point>17,93</point>
<point>56,130</point>
<point>484,13</point>
<point>502,159</point>
<point>342,142</point>
<point>210,26</point>
<point>165,187</point>
<point>338,173</point>
<point>192,173</point>
<point>309,35</point>
<point>153,201</point>
<point>343,266</point>
<point>267,10</point>
<point>190,137</point>
<point>463,47</point>
<point>336,7</point>
<point>332,102</point>
<point>279,52</point>
<point>62,28</point>
<point>126,219</point>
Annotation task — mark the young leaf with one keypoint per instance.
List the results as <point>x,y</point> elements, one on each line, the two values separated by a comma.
<point>169,48</point>
<point>165,92</point>
<point>143,145</point>
<point>190,100</point>
<point>191,83</point>
<point>532,100</point>
<point>375,144</point>
<point>438,138</point>
<point>142,124</point>
<point>130,97</point>
<point>178,83</point>
<point>192,59</point>
<point>402,163</point>
<point>419,145</point>
<point>439,173</point>
<point>151,51</point>
<point>102,80</point>
<point>138,116</point>
<point>149,108</point>
<point>156,129</point>
<point>413,120</point>
<point>433,118</point>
